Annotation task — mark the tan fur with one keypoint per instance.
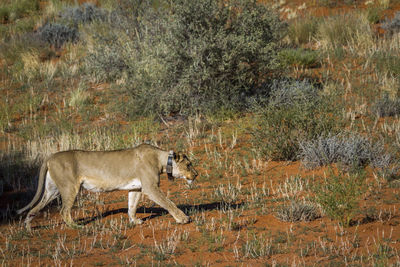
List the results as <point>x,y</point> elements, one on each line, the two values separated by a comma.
<point>136,170</point>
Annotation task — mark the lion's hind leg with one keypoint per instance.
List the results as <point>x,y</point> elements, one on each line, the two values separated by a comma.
<point>68,196</point>
<point>69,187</point>
<point>49,194</point>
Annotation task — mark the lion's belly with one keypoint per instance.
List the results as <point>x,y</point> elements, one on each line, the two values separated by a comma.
<point>103,186</point>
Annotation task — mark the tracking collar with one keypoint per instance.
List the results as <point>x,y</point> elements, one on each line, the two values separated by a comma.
<point>169,165</point>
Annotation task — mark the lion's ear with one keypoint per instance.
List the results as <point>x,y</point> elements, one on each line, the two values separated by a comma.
<point>179,156</point>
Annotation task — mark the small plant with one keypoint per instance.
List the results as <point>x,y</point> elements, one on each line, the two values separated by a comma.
<point>257,246</point>
<point>374,14</point>
<point>299,57</point>
<point>229,194</point>
<point>167,247</point>
<point>57,34</point>
<point>386,107</point>
<point>339,196</point>
<point>298,211</point>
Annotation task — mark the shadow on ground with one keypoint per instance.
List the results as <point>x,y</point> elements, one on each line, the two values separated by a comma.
<point>155,212</point>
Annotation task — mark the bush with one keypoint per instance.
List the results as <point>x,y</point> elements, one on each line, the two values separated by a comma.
<point>350,150</point>
<point>298,211</point>
<point>295,111</point>
<point>392,26</point>
<point>299,57</point>
<point>106,59</point>
<point>88,12</point>
<point>192,56</point>
<point>57,34</point>
<point>385,107</point>
<point>339,196</point>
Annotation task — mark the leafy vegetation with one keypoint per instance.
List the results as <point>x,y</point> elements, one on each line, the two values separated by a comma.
<point>299,57</point>
<point>197,56</point>
<point>339,196</point>
<point>295,111</point>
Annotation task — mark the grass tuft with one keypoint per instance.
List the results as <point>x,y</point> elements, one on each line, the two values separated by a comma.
<point>299,57</point>
<point>298,211</point>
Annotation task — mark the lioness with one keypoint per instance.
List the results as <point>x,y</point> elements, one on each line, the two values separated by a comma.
<point>136,170</point>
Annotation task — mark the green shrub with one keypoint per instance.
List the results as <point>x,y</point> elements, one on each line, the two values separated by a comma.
<point>299,57</point>
<point>339,196</point>
<point>191,56</point>
<point>302,30</point>
<point>374,14</point>
<point>4,14</point>
<point>295,111</point>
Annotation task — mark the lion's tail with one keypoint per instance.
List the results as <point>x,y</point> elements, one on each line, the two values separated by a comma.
<point>42,177</point>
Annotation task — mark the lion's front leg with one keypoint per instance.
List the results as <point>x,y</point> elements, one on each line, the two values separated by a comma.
<point>156,195</point>
<point>133,201</point>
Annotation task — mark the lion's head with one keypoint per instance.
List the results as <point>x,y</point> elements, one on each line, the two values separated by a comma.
<point>184,168</point>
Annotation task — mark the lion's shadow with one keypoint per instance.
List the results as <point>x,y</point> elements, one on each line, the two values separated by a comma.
<point>158,211</point>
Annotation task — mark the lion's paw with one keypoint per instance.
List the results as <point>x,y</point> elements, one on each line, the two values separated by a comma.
<point>183,220</point>
<point>135,221</point>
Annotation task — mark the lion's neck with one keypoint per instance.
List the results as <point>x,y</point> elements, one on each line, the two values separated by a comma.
<point>162,159</point>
